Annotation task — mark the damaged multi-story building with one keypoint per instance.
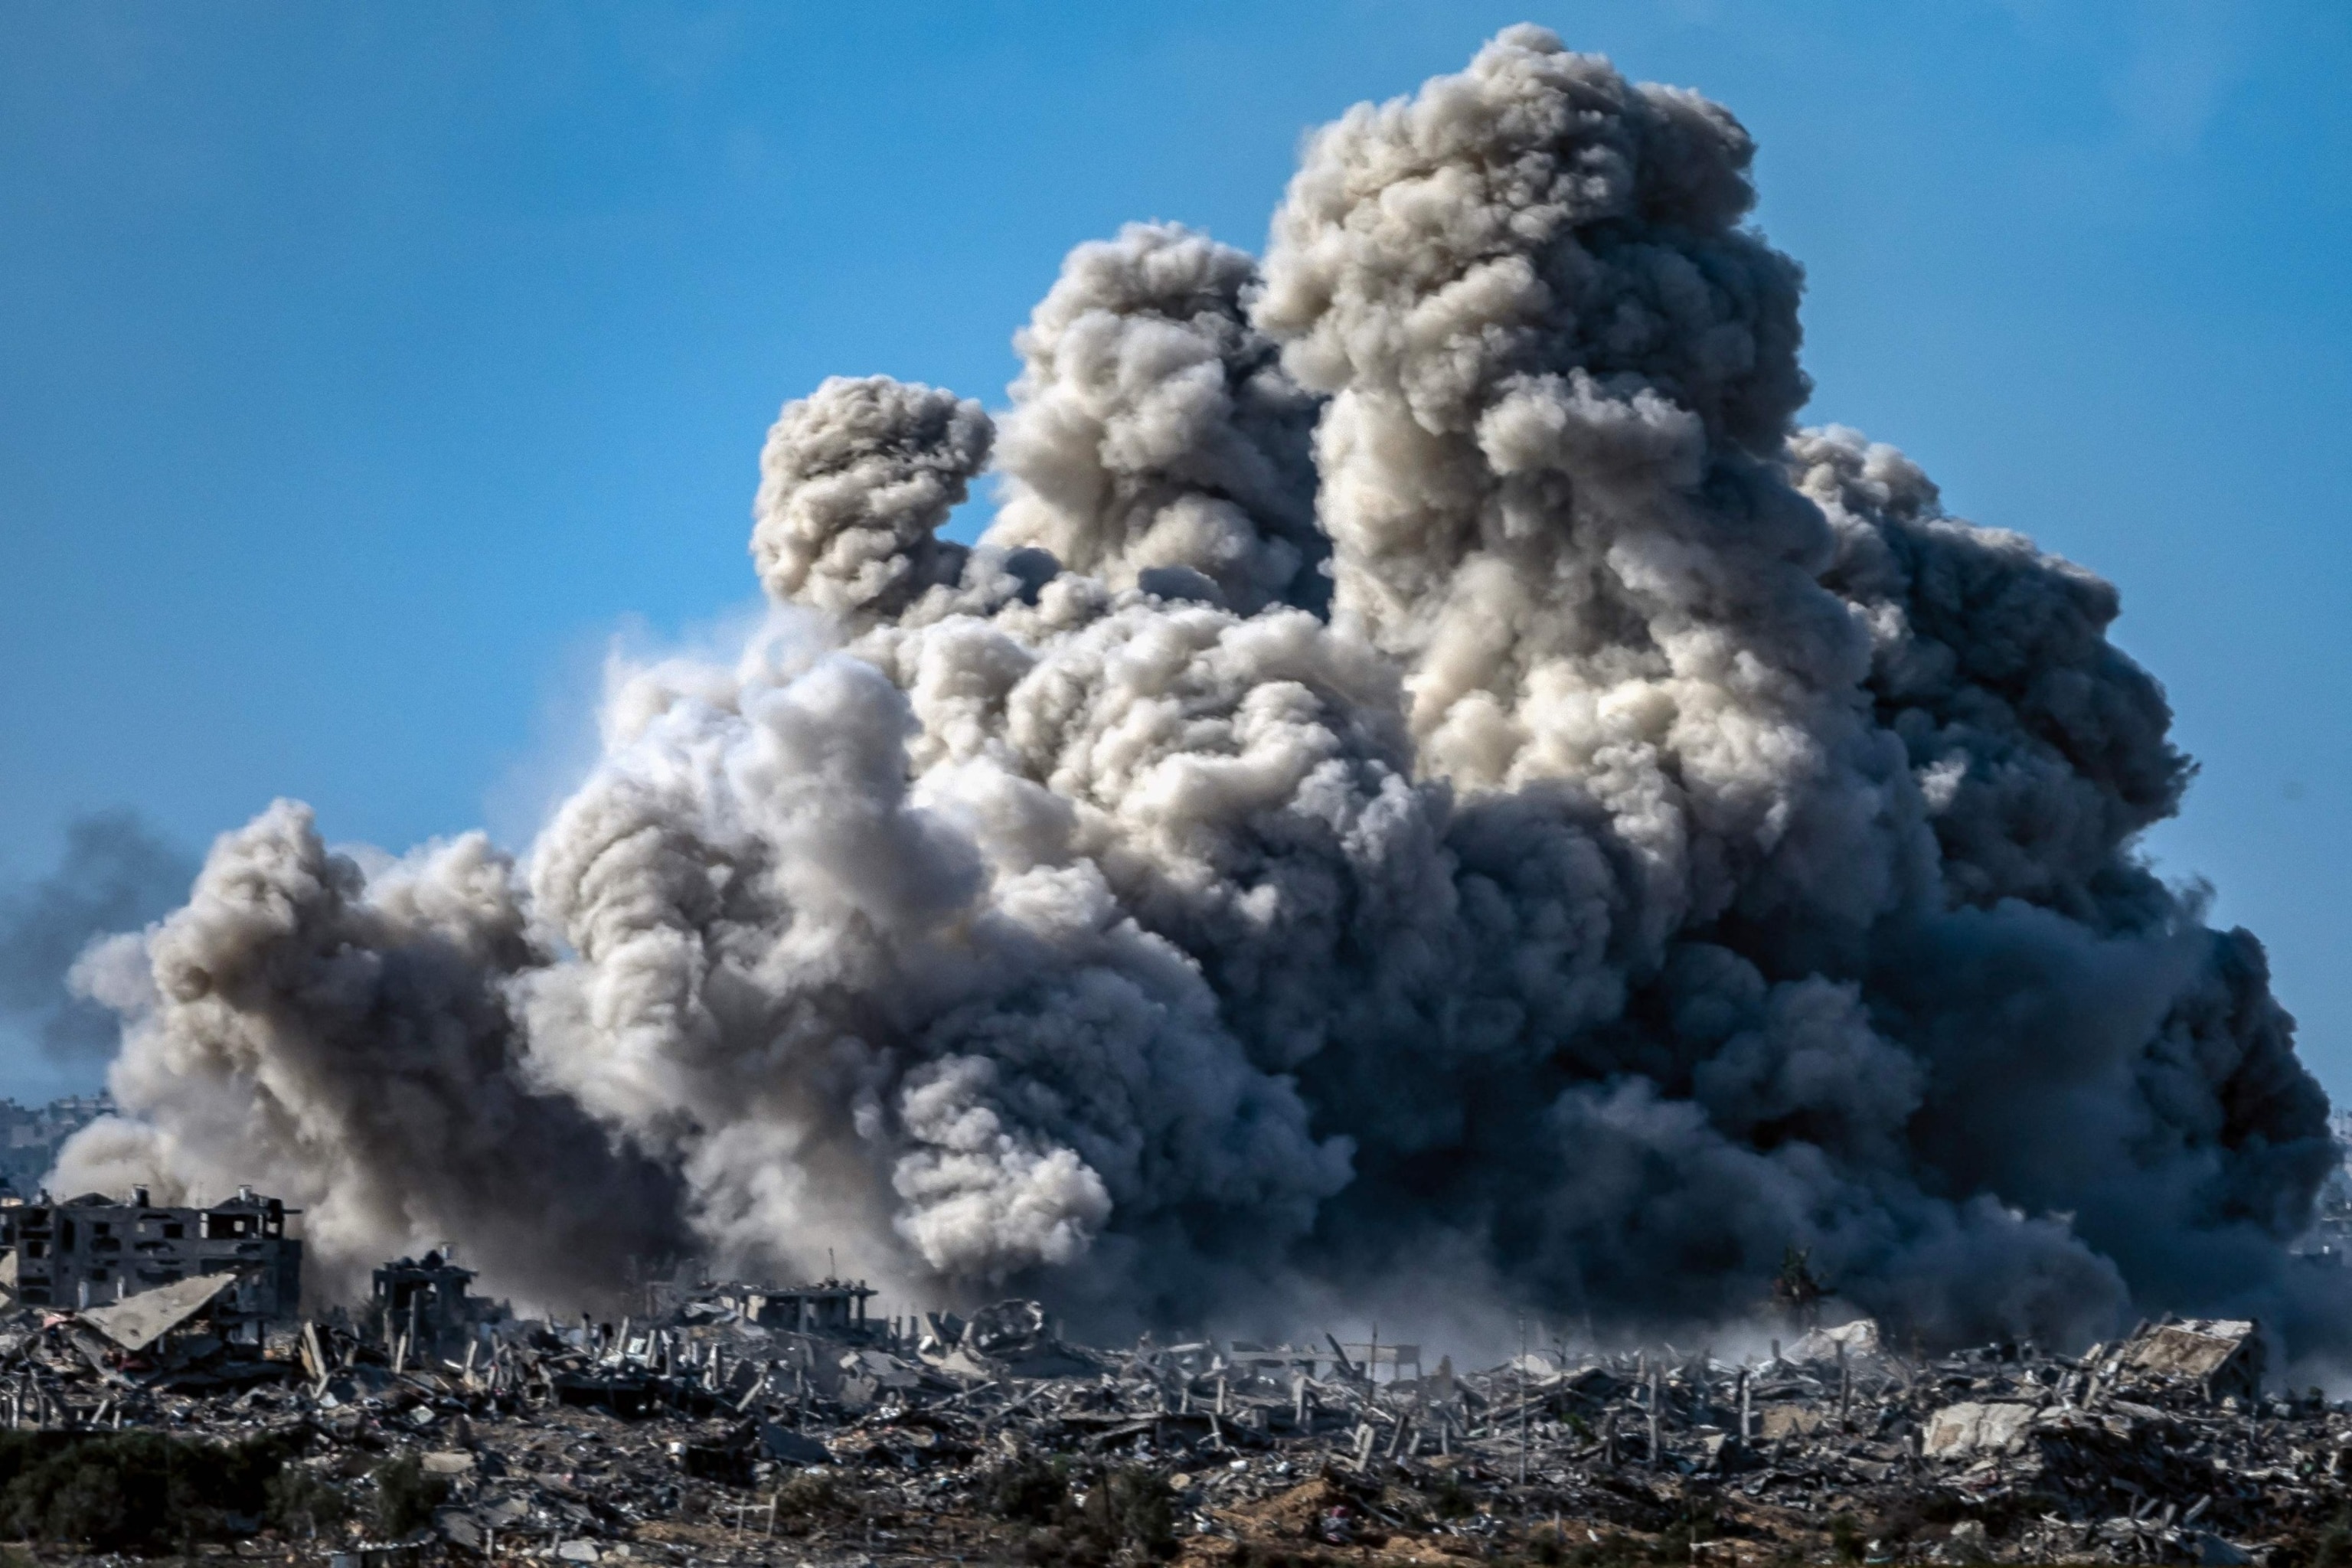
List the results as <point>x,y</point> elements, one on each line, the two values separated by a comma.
<point>428,1299</point>
<point>90,1250</point>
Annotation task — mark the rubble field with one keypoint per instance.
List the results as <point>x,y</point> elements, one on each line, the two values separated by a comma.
<point>705,1437</point>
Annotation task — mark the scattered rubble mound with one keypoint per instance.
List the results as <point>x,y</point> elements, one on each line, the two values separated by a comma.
<point>708,1436</point>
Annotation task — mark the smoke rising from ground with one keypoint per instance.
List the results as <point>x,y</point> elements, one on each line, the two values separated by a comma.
<point>115,876</point>
<point>1431,778</point>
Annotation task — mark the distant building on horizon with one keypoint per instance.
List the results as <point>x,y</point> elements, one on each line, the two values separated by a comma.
<point>2329,1239</point>
<point>30,1136</point>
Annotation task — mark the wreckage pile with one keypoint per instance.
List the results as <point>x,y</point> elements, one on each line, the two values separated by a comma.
<point>708,1436</point>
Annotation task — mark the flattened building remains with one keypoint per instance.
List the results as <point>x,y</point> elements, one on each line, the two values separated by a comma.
<point>726,1422</point>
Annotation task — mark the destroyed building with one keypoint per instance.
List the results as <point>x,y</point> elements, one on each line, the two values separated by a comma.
<point>429,1300</point>
<point>834,1307</point>
<point>703,1434</point>
<point>91,1250</point>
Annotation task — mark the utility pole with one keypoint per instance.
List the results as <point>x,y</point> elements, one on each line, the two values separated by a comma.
<point>1523,1399</point>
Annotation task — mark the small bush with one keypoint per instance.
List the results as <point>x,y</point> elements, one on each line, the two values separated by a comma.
<point>1694,1522</point>
<point>405,1496</point>
<point>1131,1507</point>
<point>806,1494</point>
<point>806,1501</point>
<point>1124,1510</point>
<point>2332,1549</point>
<point>1027,1491</point>
<point>1259,1554</point>
<point>1614,1550</point>
<point>140,1492</point>
<point>1449,1498</point>
<point>301,1502</point>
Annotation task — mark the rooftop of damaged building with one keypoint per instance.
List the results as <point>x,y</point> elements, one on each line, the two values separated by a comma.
<point>830,1305</point>
<point>716,1427</point>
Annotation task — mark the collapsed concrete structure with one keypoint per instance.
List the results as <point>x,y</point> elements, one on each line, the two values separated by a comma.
<point>835,1306</point>
<point>2163,1446</point>
<point>430,1299</point>
<point>710,1437</point>
<point>2223,1357</point>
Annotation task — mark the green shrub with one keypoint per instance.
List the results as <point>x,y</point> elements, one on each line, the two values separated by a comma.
<point>1124,1510</point>
<point>1029,1490</point>
<point>807,1494</point>
<point>1260,1555</point>
<point>405,1496</point>
<point>303,1502</point>
<point>1131,1507</point>
<point>2332,1549</point>
<point>1614,1550</point>
<point>140,1492</point>
<point>1449,1498</point>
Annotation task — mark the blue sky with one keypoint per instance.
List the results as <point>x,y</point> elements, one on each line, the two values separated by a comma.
<point>365,368</point>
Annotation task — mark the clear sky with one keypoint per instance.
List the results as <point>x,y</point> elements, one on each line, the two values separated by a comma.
<point>364,369</point>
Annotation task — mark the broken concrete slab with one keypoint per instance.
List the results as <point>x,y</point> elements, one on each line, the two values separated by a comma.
<point>1853,1340</point>
<point>2224,1356</point>
<point>139,1320</point>
<point>1970,1429</point>
<point>1790,1421</point>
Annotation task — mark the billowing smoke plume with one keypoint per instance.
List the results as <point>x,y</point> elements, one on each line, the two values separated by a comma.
<point>1156,440</point>
<point>350,1043</point>
<point>1431,776</point>
<point>115,876</point>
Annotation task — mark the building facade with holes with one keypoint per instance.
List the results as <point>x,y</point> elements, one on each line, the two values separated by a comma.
<point>427,1300</point>
<point>94,1249</point>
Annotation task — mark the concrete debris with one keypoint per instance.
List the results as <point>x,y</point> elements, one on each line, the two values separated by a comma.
<point>2224,1355</point>
<point>1970,1428</point>
<point>1859,1337</point>
<point>139,1322</point>
<point>428,1299</point>
<point>695,1437</point>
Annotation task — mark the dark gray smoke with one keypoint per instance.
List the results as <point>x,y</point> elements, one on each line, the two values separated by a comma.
<point>115,876</point>
<point>1431,779</point>
<point>349,1040</point>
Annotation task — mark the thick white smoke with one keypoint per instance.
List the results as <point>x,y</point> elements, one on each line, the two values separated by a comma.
<point>1430,770</point>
